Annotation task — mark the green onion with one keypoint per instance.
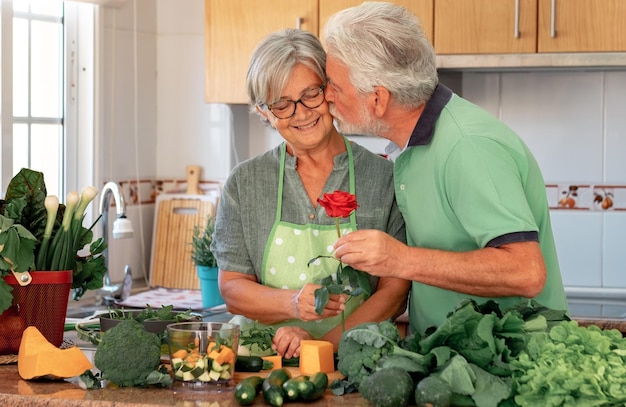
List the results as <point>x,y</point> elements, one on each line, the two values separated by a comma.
<point>52,206</point>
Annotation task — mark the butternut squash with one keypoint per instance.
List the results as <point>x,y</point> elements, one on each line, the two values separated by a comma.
<point>38,358</point>
<point>316,356</point>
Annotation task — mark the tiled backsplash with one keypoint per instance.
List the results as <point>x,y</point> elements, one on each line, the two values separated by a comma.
<point>587,197</point>
<point>146,191</point>
<point>573,121</point>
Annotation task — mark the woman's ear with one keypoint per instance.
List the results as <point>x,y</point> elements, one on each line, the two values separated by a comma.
<point>262,112</point>
<point>380,99</point>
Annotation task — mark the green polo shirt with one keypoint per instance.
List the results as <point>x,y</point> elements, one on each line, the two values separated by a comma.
<point>466,181</point>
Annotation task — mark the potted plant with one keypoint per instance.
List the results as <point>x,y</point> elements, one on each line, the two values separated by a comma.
<point>206,264</point>
<point>40,241</point>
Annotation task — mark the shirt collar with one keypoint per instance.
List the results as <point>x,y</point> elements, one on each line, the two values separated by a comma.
<point>425,126</point>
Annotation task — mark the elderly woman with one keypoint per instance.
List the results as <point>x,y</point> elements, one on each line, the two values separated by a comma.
<point>269,223</point>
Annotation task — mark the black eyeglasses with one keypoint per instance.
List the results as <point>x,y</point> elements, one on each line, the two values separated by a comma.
<point>311,98</point>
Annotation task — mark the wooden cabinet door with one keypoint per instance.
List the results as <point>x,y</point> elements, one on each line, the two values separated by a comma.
<point>582,25</point>
<point>233,28</point>
<point>486,26</point>
<point>423,9</point>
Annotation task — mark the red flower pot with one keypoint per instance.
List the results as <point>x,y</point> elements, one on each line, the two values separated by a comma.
<point>42,303</point>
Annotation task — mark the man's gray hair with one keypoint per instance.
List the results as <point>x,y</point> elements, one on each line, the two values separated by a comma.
<point>383,44</point>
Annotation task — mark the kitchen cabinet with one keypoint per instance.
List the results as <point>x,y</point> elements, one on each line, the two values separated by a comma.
<point>529,26</point>
<point>581,26</point>
<point>423,9</point>
<point>234,27</point>
<point>232,31</point>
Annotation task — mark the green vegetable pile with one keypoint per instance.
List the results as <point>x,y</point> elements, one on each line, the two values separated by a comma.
<point>572,366</point>
<point>165,313</point>
<point>472,352</point>
<point>128,356</point>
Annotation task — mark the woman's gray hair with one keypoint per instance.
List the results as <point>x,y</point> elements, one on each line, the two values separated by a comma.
<point>274,59</point>
<point>383,44</point>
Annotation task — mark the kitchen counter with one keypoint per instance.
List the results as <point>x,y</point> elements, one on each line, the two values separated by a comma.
<point>15,392</point>
<point>604,323</point>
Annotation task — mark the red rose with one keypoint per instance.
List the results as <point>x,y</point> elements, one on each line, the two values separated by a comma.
<point>339,204</point>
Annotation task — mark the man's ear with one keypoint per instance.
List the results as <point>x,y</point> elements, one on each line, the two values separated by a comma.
<point>380,99</point>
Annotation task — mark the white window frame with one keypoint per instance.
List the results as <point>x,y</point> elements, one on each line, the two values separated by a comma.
<point>80,23</point>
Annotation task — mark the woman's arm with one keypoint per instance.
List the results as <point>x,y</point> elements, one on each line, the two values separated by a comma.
<point>243,295</point>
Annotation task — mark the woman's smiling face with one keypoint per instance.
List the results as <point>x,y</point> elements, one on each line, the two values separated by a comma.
<point>308,127</point>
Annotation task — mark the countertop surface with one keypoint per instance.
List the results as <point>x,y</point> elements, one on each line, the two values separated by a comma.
<point>17,392</point>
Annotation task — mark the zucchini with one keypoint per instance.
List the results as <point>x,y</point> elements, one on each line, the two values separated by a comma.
<point>248,364</point>
<point>293,387</point>
<point>320,383</point>
<point>247,389</point>
<point>291,362</point>
<point>273,387</point>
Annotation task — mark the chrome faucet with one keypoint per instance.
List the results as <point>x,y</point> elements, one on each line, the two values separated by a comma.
<point>122,228</point>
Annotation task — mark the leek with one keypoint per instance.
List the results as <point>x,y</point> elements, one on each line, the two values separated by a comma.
<point>52,206</point>
<point>62,240</point>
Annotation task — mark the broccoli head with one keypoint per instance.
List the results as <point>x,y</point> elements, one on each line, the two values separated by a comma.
<point>361,348</point>
<point>128,353</point>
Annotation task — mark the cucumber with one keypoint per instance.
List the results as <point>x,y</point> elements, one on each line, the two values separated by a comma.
<point>320,383</point>
<point>248,364</point>
<point>214,376</point>
<point>273,387</point>
<point>247,389</point>
<point>216,367</point>
<point>293,387</point>
<point>176,363</point>
<point>204,377</point>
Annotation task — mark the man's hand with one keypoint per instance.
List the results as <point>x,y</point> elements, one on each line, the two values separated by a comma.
<point>286,342</point>
<point>372,251</point>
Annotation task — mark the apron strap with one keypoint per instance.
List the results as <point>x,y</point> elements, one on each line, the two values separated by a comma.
<point>281,175</point>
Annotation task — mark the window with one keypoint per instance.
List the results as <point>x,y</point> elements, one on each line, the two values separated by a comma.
<point>44,54</point>
<point>38,113</point>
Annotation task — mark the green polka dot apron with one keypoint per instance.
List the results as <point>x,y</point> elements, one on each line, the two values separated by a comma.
<point>290,247</point>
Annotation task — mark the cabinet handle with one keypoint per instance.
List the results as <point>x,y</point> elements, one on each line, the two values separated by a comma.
<point>553,19</point>
<point>298,23</point>
<point>516,29</point>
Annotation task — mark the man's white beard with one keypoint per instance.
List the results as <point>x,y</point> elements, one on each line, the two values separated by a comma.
<point>367,125</point>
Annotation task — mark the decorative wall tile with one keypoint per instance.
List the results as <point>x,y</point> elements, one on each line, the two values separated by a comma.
<point>146,191</point>
<point>577,197</point>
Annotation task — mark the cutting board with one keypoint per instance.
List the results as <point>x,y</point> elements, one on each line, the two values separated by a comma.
<point>175,218</point>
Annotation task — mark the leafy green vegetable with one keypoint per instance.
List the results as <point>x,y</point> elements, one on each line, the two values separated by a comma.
<point>472,351</point>
<point>165,313</point>
<point>572,366</point>
<point>489,340</point>
<point>257,339</point>
<point>364,346</point>
<point>23,221</point>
